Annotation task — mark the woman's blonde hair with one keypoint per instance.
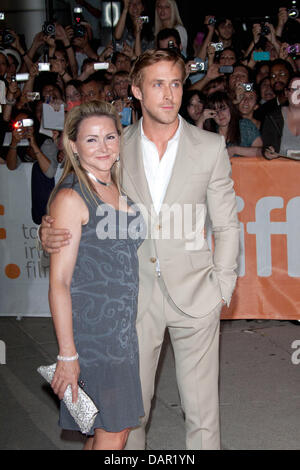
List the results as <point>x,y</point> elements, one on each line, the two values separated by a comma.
<point>71,162</point>
<point>175,17</point>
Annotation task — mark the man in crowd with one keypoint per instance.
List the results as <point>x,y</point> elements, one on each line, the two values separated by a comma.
<point>280,73</point>
<point>92,89</point>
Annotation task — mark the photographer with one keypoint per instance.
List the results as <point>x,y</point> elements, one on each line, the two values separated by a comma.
<point>39,147</point>
<point>241,135</point>
<point>288,25</point>
<point>264,40</point>
<point>167,16</point>
<point>220,30</point>
<point>131,29</point>
<point>123,102</point>
<point>81,44</point>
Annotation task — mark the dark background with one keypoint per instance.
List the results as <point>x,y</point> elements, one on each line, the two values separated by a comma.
<point>193,12</point>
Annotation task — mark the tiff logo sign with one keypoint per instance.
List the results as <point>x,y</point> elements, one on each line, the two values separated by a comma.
<point>263,228</point>
<point>2,352</point>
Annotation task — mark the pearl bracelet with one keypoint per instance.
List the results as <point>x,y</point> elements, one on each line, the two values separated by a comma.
<point>68,358</point>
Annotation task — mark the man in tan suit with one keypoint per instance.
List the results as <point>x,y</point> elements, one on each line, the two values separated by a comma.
<point>177,172</point>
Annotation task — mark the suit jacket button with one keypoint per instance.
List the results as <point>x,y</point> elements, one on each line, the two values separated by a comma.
<point>153,260</point>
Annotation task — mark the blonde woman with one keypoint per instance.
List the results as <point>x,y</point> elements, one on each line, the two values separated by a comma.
<point>94,278</point>
<point>167,16</point>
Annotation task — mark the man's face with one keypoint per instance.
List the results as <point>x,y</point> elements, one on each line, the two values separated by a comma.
<point>225,30</point>
<point>248,104</point>
<point>279,78</point>
<point>239,75</point>
<point>123,63</point>
<point>227,57</point>
<point>91,92</point>
<point>160,92</point>
<point>121,86</point>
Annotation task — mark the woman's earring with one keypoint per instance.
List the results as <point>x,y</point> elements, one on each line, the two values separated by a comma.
<point>76,156</point>
<point>117,159</point>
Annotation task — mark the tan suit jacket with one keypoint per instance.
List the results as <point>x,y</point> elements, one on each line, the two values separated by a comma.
<point>196,278</point>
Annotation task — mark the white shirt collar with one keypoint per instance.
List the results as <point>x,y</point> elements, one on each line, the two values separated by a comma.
<point>175,136</point>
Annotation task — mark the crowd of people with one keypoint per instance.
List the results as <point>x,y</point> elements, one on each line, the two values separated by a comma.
<point>254,82</point>
<point>248,95</point>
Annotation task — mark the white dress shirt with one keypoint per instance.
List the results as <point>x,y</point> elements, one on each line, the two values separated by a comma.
<point>158,171</point>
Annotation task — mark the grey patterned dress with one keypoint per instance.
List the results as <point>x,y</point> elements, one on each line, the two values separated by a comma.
<point>104,293</point>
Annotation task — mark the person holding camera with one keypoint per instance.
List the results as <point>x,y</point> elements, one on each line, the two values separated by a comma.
<point>167,16</point>
<point>241,135</point>
<point>19,149</point>
<point>34,147</point>
<point>123,102</point>
<point>134,26</point>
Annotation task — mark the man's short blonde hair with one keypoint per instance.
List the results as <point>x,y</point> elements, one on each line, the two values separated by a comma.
<point>151,57</point>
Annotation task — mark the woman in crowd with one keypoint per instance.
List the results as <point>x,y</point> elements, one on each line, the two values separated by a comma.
<point>281,129</point>
<point>265,90</point>
<point>192,105</point>
<point>247,106</point>
<point>95,320</point>
<point>130,27</point>
<point>167,16</point>
<point>73,95</point>
<point>193,108</point>
<point>228,56</point>
<point>241,135</point>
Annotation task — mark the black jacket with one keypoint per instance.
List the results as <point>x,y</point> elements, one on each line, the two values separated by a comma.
<point>271,130</point>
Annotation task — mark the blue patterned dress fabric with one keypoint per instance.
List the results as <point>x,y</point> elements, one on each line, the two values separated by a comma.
<point>104,292</point>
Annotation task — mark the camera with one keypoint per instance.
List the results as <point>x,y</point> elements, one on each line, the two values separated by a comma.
<point>78,11</point>
<point>145,19</point>
<point>21,77</point>
<point>261,55</point>
<point>218,46</point>
<point>44,67</point>
<point>198,66</point>
<point>33,95</point>
<point>22,123</point>
<point>212,20</point>
<point>79,29</point>
<point>294,49</point>
<point>248,86</point>
<point>226,69</point>
<point>293,12</point>
<point>101,65</point>
<point>48,28</point>
<point>171,45</point>
<point>6,37</point>
<point>265,30</point>
<point>119,47</point>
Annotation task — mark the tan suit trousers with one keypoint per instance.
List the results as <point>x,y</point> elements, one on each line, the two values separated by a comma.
<point>195,343</point>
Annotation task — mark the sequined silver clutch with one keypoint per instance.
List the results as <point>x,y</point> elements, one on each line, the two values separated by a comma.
<point>84,411</point>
